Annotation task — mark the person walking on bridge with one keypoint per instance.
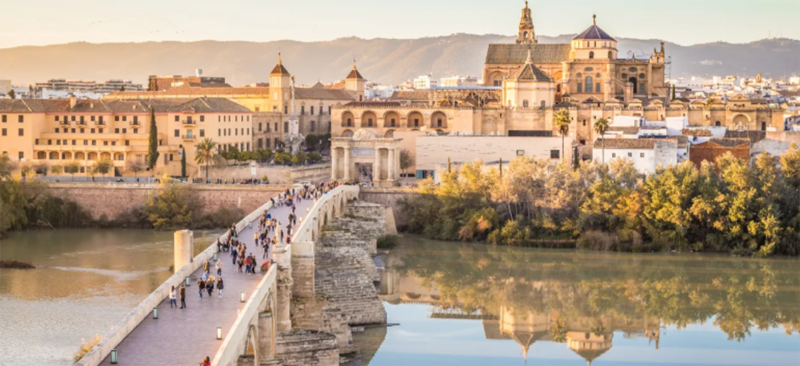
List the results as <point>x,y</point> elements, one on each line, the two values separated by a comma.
<point>201,286</point>
<point>220,286</point>
<point>206,362</point>
<point>183,297</point>
<point>219,267</point>
<point>173,303</point>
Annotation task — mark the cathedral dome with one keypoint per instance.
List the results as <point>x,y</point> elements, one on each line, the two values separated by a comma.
<point>594,33</point>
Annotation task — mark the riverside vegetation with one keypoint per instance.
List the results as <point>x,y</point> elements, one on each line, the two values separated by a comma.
<point>29,205</point>
<point>727,206</point>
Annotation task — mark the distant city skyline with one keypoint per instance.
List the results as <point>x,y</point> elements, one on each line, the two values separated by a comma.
<point>686,22</point>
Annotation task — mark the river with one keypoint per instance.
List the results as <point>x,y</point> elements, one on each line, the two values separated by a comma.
<point>87,280</point>
<point>471,304</point>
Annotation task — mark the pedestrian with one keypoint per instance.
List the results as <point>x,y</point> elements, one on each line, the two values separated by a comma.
<point>255,238</point>
<point>183,297</point>
<point>233,256</point>
<point>220,286</point>
<point>210,286</point>
<point>241,262</point>
<point>205,266</point>
<point>254,265</point>
<point>173,303</point>
<point>219,267</point>
<point>206,362</point>
<point>247,265</point>
<point>205,275</point>
<point>201,285</point>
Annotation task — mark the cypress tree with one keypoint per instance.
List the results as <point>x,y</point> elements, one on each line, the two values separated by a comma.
<point>183,161</point>
<point>152,145</point>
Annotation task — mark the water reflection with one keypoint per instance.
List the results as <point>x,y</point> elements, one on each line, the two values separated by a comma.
<point>587,301</point>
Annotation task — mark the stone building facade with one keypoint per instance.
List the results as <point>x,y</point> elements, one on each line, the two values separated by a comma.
<point>716,147</point>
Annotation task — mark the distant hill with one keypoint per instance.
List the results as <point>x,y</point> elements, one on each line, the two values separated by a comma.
<point>382,60</point>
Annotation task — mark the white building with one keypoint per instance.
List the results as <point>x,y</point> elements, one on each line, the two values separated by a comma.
<point>459,81</point>
<point>64,94</point>
<point>425,82</point>
<point>647,154</point>
<point>378,91</point>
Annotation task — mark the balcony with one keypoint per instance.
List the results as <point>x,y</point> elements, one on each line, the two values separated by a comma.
<point>188,137</point>
<point>81,123</point>
<point>135,123</point>
<point>99,123</point>
<point>189,122</point>
<point>63,123</point>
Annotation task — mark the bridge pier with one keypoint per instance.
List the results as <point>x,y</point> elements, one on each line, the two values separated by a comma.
<point>183,249</point>
<point>284,289</point>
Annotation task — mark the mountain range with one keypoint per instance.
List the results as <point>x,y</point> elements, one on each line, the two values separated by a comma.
<point>387,61</point>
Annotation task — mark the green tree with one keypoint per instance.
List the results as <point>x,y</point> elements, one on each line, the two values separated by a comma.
<point>183,161</point>
<point>152,143</point>
<point>406,160</point>
<point>12,94</point>
<point>601,126</point>
<point>263,155</point>
<point>206,153</point>
<point>314,156</point>
<point>57,169</point>
<point>231,153</point>
<point>72,167</point>
<point>167,208</point>
<point>102,166</point>
<point>299,157</point>
<point>25,171</point>
<point>6,166</point>
<point>561,121</point>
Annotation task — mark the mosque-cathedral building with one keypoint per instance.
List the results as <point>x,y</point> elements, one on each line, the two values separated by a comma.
<point>526,82</point>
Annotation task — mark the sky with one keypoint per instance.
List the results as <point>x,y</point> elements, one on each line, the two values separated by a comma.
<point>686,22</point>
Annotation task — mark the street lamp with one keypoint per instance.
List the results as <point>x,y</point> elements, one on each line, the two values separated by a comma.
<point>114,356</point>
<point>219,333</point>
<point>242,296</point>
<point>155,313</point>
<point>187,281</point>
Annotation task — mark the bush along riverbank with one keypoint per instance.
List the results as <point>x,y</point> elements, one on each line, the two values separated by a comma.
<point>730,206</point>
<point>29,206</point>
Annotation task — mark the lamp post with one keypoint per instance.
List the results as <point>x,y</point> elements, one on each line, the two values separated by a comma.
<point>242,296</point>
<point>114,356</point>
<point>187,281</point>
<point>219,333</point>
<point>155,313</point>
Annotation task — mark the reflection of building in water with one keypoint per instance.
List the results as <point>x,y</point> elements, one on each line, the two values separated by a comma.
<point>588,336</point>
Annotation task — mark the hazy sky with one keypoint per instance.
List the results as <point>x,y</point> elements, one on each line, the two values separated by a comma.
<point>41,22</point>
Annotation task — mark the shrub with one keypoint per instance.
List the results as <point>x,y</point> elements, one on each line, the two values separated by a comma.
<point>598,240</point>
<point>387,241</point>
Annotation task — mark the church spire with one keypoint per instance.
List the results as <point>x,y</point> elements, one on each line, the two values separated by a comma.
<point>526,33</point>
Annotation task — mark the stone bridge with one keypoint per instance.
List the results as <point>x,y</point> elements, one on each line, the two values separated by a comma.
<point>298,313</point>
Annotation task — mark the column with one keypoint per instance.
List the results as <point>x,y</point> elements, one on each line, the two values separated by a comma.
<point>347,163</point>
<point>183,249</point>
<point>266,337</point>
<point>376,167</point>
<point>334,163</point>
<point>391,170</point>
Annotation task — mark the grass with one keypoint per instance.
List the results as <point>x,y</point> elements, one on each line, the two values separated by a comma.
<point>16,265</point>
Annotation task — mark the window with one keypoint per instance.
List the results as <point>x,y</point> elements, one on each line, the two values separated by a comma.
<point>259,127</point>
<point>202,133</point>
<point>520,152</point>
<point>82,130</point>
<point>74,142</point>
<point>584,122</point>
<point>597,88</point>
<point>202,118</point>
<point>641,155</point>
<point>116,130</point>
<point>73,130</point>
<point>49,142</point>
<point>56,130</point>
<point>630,155</point>
<point>613,155</point>
<point>135,119</point>
<point>72,118</point>
<point>82,119</point>
<point>632,69</point>
<point>94,142</point>
<point>641,76</point>
<point>312,123</point>
<point>416,122</point>
<point>555,154</point>
<point>589,83</point>
<point>58,142</point>
<point>302,109</point>
<point>99,130</point>
<point>21,155</point>
<point>285,127</point>
<point>127,143</point>
<point>236,131</point>
<point>5,118</point>
<point>312,110</point>
<point>329,109</point>
<point>135,130</point>
<point>369,122</point>
<point>591,54</point>
<point>177,118</point>
<point>22,132</point>
<point>21,118</point>
<point>525,103</point>
<point>124,118</point>
<point>349,122</point>
<point>285,110</point>
<point>717,123</point>
<point>763,126</point>
<point>91,130</point>
<point>609,55</point>
<point>100,119</point>
<point>85,142</point>
<point>219,132</point>
<point>177,133</point>
<point>580,88</point>
<point>438,122</point>
<point>5,132</point>
<point>170,157</point>
<point>116,118</point>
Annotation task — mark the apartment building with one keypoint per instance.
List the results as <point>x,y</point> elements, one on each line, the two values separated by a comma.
<point>48,132</point>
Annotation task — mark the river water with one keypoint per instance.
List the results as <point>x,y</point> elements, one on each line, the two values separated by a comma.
<point>86,282</point>
<point>472,304</point>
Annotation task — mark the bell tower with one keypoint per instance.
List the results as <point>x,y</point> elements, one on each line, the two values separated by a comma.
<point>526,34</point>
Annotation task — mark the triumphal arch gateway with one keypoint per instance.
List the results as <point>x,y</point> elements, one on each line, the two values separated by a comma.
<point>365,155</point>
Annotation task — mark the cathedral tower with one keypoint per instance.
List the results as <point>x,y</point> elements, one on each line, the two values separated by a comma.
<point>354,84</point>
<point>526,34</point>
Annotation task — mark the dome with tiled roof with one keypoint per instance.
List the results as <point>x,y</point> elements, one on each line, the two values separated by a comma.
<point>594,33</point>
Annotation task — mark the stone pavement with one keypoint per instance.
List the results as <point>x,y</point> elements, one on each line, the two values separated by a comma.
<point>185,337</point>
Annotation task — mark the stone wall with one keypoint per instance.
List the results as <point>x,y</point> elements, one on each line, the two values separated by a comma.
<point>775,143</point>
<point>115,199</point>
<point>277,174</point>
<point>387,197</point>
<point>300,347</point>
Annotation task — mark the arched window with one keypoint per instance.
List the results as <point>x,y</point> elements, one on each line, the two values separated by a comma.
<point>589,83</point>
<point>641,76</point>
<point>525,103</point>
<point>349,122</point>
<point>438,122</point>
<point>369,122</point>
<point>591,54</point>
<point>717,124</point>
<point>391,122</point>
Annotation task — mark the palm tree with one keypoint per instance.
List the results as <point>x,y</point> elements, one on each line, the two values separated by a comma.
<point>601,126</point>
<point>206,153</point>
<point>561,120</point>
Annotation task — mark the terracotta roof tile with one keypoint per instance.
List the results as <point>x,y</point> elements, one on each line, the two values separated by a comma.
<point>516,54</point>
